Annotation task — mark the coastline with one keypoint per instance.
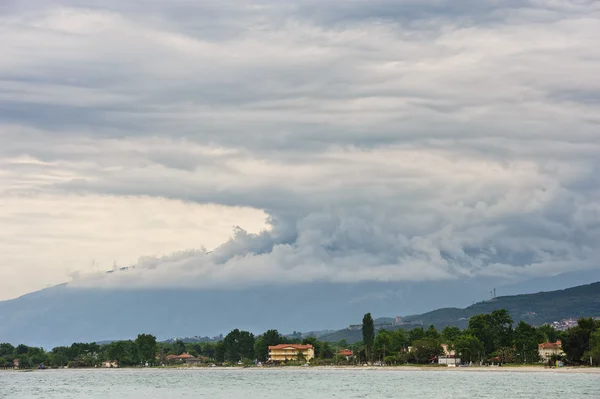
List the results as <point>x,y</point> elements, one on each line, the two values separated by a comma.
<point>475,369</point>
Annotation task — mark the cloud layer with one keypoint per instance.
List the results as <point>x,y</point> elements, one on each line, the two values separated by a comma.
<point>386,141</point>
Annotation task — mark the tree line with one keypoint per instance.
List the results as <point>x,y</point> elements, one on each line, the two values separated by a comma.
<point>488,338</point>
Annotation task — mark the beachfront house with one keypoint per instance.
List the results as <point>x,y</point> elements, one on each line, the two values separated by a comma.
<point>185,358</point>
<point>450,361</point>
<point>548,349</point>
<point>285,352</point>
<point>347,353</point>
<point>447,350</point>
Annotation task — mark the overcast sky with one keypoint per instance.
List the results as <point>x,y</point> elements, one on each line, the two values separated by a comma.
<point>380,140</point>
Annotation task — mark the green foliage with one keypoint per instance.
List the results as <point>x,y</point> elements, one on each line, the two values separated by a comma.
<point>146,345</point>
<point>238,345</point>
<point>493,330</point>
<point>489,337</point>
<point>424,350</point>
<point>415,334</point>
<point>549,333</point>
<point>450,334</point>
<point>468,347</point>
<point>179,347</point>
<point>527,339</point>
<point>220,352</point>
<point>368,334</point>
<point>399,341</point>
<point>382,344</point>
<point>126,353</point>
<point>506,355</point>
<point>432,333</point>
<point>577,340</point>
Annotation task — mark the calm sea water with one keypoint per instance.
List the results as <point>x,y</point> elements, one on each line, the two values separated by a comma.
<point>291,384</point>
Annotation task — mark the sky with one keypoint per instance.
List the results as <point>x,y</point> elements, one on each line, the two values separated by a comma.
<point>233,144</point>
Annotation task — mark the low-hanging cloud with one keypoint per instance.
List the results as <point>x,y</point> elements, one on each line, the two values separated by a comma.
<point>386,141</point>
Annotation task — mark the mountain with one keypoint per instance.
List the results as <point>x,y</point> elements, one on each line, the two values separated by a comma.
<point>536,309</point>
<point>65,314</point>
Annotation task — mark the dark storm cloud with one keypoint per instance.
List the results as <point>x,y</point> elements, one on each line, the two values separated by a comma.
<point>386,140</point>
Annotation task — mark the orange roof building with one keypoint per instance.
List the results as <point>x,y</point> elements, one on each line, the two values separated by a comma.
<point>548,349</point>
<point>346,353</point>
<point>285,352</point>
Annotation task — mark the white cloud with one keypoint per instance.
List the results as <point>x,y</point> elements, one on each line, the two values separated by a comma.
<point>386,141</point>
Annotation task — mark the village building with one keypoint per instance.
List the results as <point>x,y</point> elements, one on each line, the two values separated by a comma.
<point>285,352</point>
<point>548,349</point>
<point>447,351</point>
<point>185,358</point>
<point>347,353</point>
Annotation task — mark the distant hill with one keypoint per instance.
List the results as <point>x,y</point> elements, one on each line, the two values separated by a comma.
<point>536,309</point>
<point>65,314</point>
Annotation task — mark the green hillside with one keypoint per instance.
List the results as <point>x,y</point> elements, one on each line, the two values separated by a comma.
<point>536,309</point>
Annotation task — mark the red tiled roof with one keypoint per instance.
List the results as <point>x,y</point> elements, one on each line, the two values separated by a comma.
<point>550,345</point>
<point>346,352</point>
<point>293,346</point>
<point>180,357</point>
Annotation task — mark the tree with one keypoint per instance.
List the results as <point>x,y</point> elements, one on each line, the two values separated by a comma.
<point>382,343</point>
<point>594,352</point>
<point>576,342</point>
<point>506,355</point>
<point>450,334</point>
<point>468,347</point>
<point>479,327</point>
<point>549,333</point>
<point>399,341</point>
<point>262,343</point>
<point>238,345</point>
<point>432,333</point>
<point>416,334</point>
<point>426,349</point>
<point>7,351</point>
<point>220,352</point>
<point>179,347</point>
<point>501,328</point>
<point>315,344</point>
<point>300,357</point>
<point>146,345</point>
<point>124,352</point>
<point>368,334</point>
<point>526,341</point>
<point>325,351</point>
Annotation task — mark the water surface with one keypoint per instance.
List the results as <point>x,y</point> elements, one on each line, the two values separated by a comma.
<point>294,383</point>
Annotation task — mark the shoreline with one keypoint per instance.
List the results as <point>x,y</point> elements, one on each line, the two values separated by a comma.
<point>474,369</point>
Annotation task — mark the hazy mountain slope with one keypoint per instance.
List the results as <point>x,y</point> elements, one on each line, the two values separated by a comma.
<point>543,307</point>
<point>539,308</point>
<point>62,314</point>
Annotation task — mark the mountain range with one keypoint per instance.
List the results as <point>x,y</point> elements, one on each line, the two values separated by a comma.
<point>536,309</point>
<point>64,314</point>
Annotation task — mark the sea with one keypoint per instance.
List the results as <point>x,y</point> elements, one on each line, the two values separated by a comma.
<point>295,383</point>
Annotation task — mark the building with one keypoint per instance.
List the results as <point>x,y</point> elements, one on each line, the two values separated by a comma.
<point>185,358</point>
<point>447,351</point>
<point>285,352</point>
<point>16,363</point>
<point>549,349</point>
<point>347,353</point>
<point>450,361</point>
